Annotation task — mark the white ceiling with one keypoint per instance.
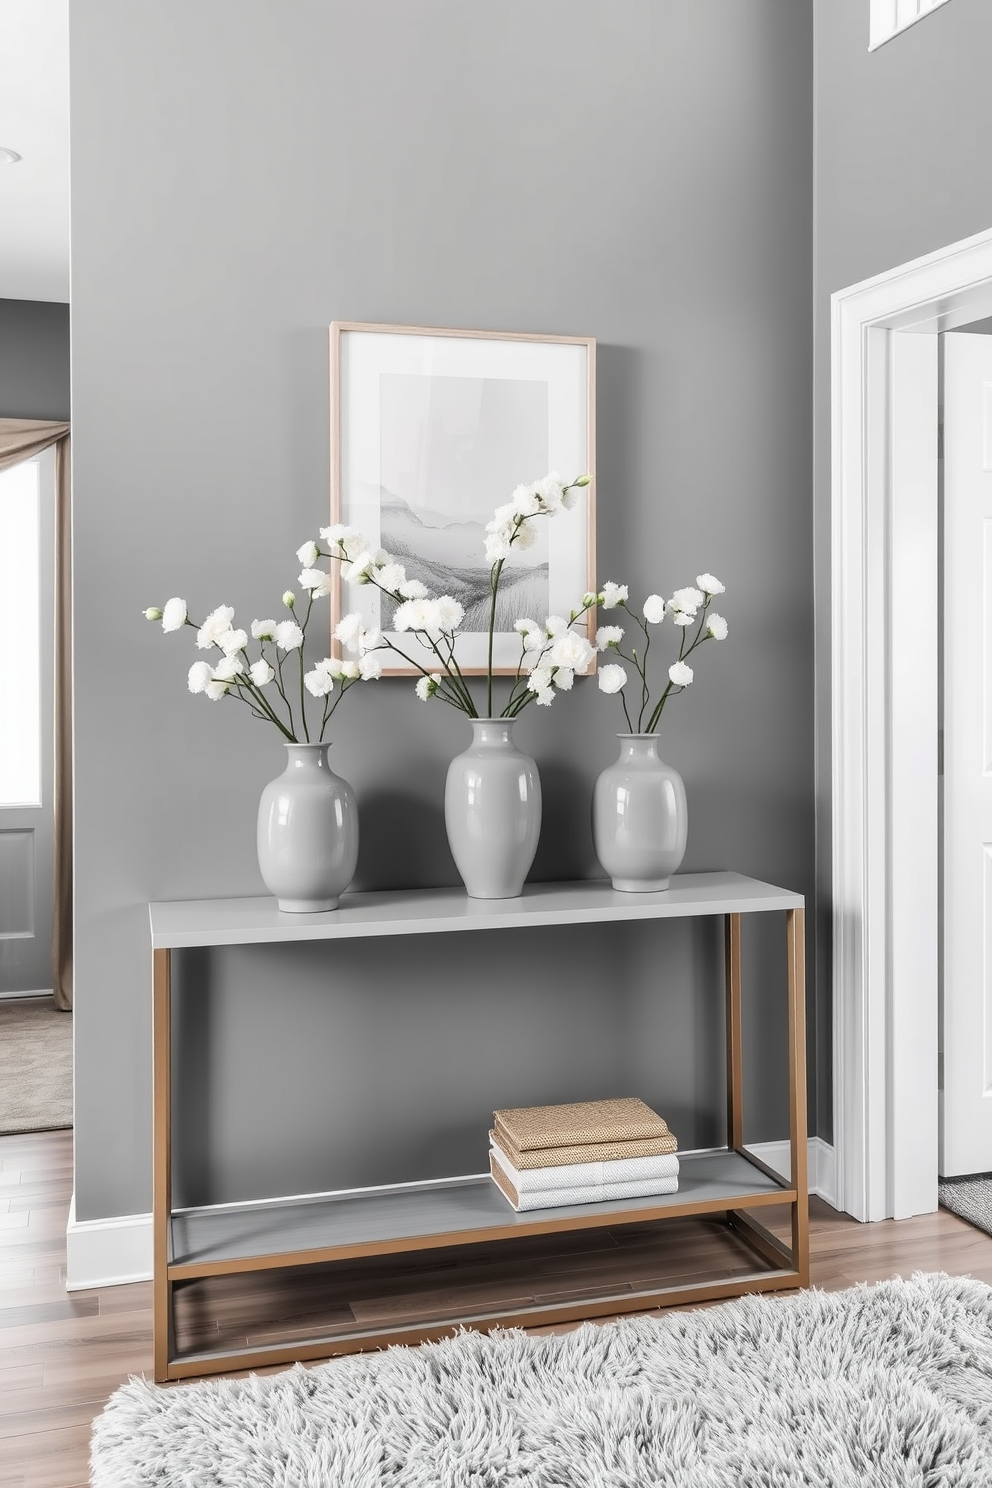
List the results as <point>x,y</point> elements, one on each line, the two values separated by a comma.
<point>34,121</point>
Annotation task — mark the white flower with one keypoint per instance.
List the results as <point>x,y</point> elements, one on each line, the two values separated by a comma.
<point>349,631</point>
<point>428,686</point>
<point>540,679</point>
<point>289,599</point>
<point>354,543</point>
<point>612,594</point>
<point>233,641</point>
<point>554,626</point>
<point>350,671</point>
<point>709,584</point>
<point>200,673</point>
<point>654,609</point>
<point>260,672</point>
<point>564,677</point>
<point>449,613</point>
<point>152,613</point>
<point>216,689</point>
<point>531,635</point>
<point>589,599</point>
<point>611,678</point>
<point>523,626</point>
<point>545,697</point>
<point>174,615</point>
<point>680,674</point>
<point>370,666</point>
<point>230,667</point>
<point>525,501</point>
<point>414,589</point>
<point>570,496</point>
<point>336,535</point>
<point>263,630</point>
<point>550,491</point>
<point>369,640</point>
<point>717,627</point>
<point>391,576</point>
<point>358,571</point>
<point>682,617</point>
<point>316,580</point>
<point>497,547</point>
<point>288,635</point>
<point>504,519</point>
<point>573,651</point>
<point>415,614</point>
<point>319,682</point>
<point>217,623</point>
<point>688,600</point>
<point>608,635</point>
<point>308,554</point>
<point>526,535</point>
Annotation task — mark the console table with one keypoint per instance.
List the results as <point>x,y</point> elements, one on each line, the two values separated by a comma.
<point>258,1236</point>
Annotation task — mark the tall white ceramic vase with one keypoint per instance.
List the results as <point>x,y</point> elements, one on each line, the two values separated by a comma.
<point>639,817</point>
<point>307,832</point>
<point>492,811</point>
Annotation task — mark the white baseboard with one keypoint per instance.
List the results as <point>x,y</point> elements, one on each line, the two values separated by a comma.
<point>117,1251</point>
<point>822,1166</point>
<point>107,1252</point>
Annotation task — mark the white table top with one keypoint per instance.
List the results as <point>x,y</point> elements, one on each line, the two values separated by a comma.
<point>228,922</point>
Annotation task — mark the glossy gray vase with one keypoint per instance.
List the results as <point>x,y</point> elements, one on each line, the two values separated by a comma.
<point>307,832</point>
<point>492,810</point>
<point>639,817</point>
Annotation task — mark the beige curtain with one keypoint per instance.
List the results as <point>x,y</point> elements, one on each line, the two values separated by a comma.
<point>19,440</point>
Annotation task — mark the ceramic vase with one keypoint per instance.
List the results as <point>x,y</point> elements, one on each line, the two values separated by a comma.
<point>639,817</point>
<point>492,811</point>
<point>307,832</point>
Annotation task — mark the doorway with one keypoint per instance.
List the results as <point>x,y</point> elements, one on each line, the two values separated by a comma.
<point>884,712</point>
<point>35,1037</point>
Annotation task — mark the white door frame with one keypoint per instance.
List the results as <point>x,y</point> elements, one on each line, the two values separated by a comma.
<point>884,720</point>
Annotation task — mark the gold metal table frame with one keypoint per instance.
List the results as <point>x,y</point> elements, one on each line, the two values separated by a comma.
<point>788,1263</point>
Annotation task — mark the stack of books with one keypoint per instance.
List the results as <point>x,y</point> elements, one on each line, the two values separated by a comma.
<point>542,1157</point>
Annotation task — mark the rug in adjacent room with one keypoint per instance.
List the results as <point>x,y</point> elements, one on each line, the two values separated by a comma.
<point>971,1198</point>
<point>35,1065</point>
<point>877,1387</point>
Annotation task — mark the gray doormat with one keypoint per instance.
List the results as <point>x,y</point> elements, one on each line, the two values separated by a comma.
<point>35,1066</point>
<point>969,1197</point>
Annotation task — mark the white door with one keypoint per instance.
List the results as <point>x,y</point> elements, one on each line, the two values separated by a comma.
<point>966,1099</point>
<point>27,600</point>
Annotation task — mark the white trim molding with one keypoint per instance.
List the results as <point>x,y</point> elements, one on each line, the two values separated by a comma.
<point>117,1251</point>
<point>886,18</point>
<point>107,1252</point>
<point>884,720</point>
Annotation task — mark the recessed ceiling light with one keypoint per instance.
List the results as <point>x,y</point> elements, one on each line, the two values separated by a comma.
<point>8,157</point>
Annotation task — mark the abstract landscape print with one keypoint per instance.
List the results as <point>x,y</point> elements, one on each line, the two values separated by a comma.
<point>434,430</point>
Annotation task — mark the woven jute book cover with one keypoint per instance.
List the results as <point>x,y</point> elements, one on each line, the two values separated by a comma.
<point>575,1125</point>
<point>589,1152</point>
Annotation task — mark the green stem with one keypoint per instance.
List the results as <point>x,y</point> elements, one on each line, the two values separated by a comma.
<point>494,577</point>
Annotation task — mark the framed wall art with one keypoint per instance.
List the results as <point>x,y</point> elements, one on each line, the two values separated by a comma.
<point>431,430</point>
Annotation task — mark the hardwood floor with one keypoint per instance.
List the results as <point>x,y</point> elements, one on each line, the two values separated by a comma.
<point>62,1355</point>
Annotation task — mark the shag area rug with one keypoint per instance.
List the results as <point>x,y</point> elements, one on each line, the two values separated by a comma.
<point>971,1198</point>
<point>878,1387</point>
<point>35,1065</point>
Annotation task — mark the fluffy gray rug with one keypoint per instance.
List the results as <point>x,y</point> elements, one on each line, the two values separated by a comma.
<point>878,1387</point>
<point>971,1198</point>
<point>35,1065</point>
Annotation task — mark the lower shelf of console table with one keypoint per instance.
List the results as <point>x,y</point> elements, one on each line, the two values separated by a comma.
<point>727,1184</point>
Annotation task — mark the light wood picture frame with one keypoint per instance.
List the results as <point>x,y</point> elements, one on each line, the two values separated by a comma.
<point>431,430</point>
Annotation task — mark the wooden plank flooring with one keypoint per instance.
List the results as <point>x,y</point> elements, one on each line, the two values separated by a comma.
<point>62,1355</point>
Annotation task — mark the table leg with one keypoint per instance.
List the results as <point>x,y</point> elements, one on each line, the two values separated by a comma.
<point>735,1064</point>
<point>162,1159</point>
<point>796,942</point>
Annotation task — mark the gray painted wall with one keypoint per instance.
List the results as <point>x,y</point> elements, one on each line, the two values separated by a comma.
<point>639,173</point>
<point>901,169</point>
<point>34,359</point>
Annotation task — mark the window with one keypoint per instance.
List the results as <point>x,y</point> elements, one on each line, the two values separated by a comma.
<point>888,17</point>
<point>20,624</point>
